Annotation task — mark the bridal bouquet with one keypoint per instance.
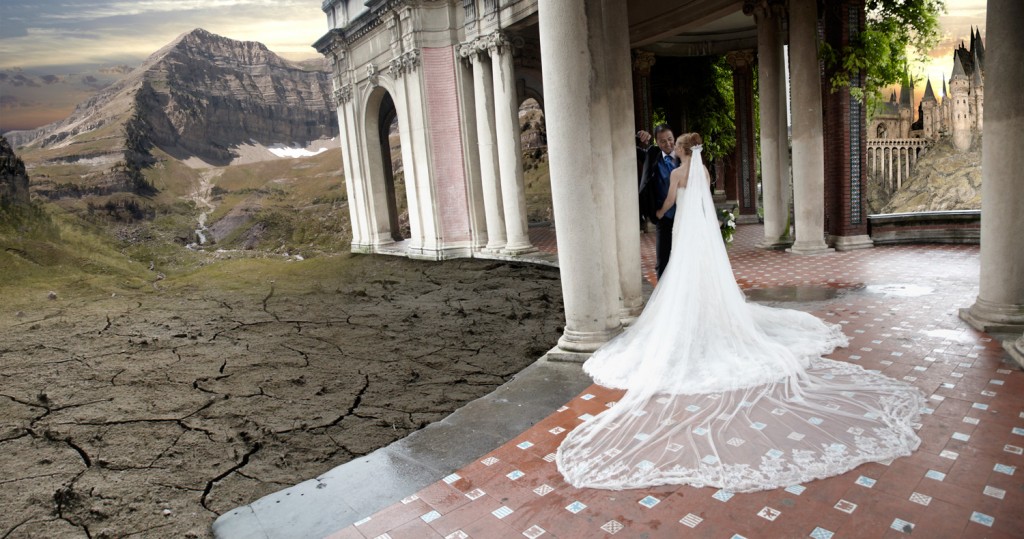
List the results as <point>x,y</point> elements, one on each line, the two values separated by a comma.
<point>727,224</point>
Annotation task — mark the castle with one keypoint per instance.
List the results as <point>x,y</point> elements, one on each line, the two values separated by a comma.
<point>958,114</point>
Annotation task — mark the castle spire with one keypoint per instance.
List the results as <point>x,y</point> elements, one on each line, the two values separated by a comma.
<point>979,51</point>
<point>958,68</point>
<point>906,89</point>
<point>929,95</point>
<point>976,79</point>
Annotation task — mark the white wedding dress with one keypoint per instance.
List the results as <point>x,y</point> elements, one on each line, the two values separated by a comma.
<point>730,394</point>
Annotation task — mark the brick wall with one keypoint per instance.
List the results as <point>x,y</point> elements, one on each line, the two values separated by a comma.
<point>445,136</point>
<point>844,131</point>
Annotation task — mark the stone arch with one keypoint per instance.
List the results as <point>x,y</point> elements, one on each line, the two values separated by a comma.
<point>382,109</point>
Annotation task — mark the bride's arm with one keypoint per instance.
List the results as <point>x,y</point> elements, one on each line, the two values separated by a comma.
<point>673,186</point>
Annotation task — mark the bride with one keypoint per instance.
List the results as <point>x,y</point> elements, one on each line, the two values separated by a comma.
<point>725,393</point>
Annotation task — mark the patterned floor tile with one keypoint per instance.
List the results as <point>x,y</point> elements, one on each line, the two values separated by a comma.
<point>963,478</point>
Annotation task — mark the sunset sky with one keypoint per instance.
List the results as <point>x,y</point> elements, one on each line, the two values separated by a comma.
<point>55,54</point>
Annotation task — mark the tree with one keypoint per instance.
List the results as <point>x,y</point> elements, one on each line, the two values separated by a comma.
<point>895,32</point>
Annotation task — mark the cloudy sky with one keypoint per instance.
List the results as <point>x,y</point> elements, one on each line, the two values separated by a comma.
<point>55,54</point>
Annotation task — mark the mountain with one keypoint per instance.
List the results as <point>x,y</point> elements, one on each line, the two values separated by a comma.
<point>13,180</point>
<point>203,96</point>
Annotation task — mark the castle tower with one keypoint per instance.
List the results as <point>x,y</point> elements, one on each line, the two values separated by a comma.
<point>906,106</point>
<point>959,88</point>
<point>929,113</point>
<point>947,109</point>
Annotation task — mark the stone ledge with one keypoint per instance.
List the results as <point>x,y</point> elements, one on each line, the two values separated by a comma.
<point>958,226</point>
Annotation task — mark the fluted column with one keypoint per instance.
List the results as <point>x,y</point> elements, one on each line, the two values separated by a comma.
<point>808,143</point>
<point>581,174</point>
<point>1000,303</point>
<point>769,72</point>
<point>510,155</point>
<point>483,94</point>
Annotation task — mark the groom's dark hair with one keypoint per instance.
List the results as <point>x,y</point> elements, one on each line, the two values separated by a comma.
<point>659,128</point>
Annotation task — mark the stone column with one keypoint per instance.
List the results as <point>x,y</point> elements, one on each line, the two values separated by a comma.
<point>1000,303</point>
<point>621,119</point>
<point>483,93</point>
<point>643,108</point>
<point>510,155</point>
<point>746,172</point>
<point>785,170</point>
<point>470,146</point>
<point>581,181</point>
<point>808,144</point>
<point>769,73</point>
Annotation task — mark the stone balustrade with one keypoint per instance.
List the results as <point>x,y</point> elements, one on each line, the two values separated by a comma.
<point>892,160</point>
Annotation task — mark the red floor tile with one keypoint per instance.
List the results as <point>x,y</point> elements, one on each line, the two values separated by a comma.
<point>966,480</point>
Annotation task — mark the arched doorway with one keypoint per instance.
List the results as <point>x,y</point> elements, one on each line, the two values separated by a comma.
<point>391,159</point>
<point>387,183</point>
<point>536,177</point>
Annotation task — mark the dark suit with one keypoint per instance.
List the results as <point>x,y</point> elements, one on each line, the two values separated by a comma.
<point>651,199</point>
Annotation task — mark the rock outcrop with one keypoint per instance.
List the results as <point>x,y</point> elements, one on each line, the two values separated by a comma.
<point>13,179</point>
<point>943,179</point>
<point>201,95</point>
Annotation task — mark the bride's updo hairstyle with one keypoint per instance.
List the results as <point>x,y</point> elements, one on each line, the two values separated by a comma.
<point>687,141</point>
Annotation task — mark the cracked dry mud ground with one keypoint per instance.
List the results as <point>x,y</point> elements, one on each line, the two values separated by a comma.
<point>193,401</point>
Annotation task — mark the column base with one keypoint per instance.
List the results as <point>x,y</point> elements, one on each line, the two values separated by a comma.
<point>563,356</point>
<point>494,249</point>
<point>628,316</point>
<point>514,250</point>
<point>1016,350</point>
<point>718,197</point>
<point>578,345</point>
<point>852,243</point>
<point>994,317</point>
<point>776,245</point>
<point>747,219</point>
<point>816,248</point>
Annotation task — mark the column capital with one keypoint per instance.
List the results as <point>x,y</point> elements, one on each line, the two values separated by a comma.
<point>763,9</point>
<point>740,59</point>
<point>342,95</point>
<point>501,41</point>
<point>643,61</point>
<point>406,62</point>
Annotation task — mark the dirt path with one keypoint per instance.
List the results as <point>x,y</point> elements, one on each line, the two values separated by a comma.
<point>149,413</point>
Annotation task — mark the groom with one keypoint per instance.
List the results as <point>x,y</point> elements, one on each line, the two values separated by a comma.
<point>658,164</point>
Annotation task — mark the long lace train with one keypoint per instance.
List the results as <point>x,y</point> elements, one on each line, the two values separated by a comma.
<point>730,394</point>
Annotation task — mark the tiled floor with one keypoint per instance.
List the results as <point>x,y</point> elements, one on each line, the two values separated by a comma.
<point>899,306</point>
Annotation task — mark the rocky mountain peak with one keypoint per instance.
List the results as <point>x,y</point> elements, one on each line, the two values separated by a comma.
<point>201,95</point>
<point>201,44</point>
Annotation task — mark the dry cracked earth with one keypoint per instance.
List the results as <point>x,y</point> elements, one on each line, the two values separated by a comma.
<point>149,414</point>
